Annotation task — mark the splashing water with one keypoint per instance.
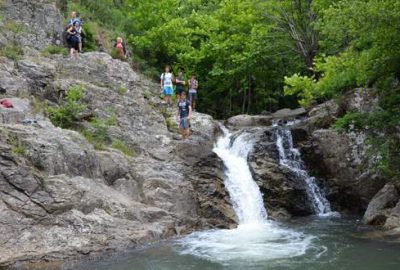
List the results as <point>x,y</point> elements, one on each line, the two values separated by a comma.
<point>290,157</point>
<point>256,238</point>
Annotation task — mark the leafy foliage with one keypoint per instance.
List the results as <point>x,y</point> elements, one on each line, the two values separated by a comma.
<point>13,52</point>
<point>66,114</point>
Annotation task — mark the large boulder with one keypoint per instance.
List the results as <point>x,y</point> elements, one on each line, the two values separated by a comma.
<point>34,24</point>
<point>244,120</point>
<point>283,191</point>
<point>381,206</point>
<point>342,160</point>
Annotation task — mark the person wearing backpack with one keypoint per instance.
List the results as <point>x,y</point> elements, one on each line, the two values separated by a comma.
<point>166,82</point>
<point>73,41</point>
<point>193,85</point>
<point>184,115</point>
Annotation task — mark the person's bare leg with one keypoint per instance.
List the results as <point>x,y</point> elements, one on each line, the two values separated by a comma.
<point>80,46</point>
<point>71,53</point>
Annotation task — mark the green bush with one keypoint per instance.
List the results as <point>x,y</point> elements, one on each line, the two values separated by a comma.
<point>15,27</point>
<point>122,90</point>
<point>351,120</point>
<point>66,115</point>
<point>97,134</point>
<point>53,49</point>
<point>13,52</point>
<point>123,147</point>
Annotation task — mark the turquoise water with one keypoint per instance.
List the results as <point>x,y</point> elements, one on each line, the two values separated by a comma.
<point>335,243</point>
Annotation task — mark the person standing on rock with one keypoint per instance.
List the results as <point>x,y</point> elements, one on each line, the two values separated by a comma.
<point>73,41</point>
<point>166,84</point>
<point>74,19</point>
<point>180,82</point>
<point>184,115</point>
<point>193,85</point>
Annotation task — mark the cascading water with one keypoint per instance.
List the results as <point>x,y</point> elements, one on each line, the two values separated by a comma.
<point>290,157</point>
<point>256,238</point>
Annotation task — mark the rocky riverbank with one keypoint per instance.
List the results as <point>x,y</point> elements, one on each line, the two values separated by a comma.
<point>64,194</point>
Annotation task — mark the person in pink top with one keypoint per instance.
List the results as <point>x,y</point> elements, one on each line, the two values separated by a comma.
<point>121,48</point>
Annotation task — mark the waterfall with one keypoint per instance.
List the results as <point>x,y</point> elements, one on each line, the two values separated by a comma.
<point>290,157</point>
<point>245,194</point>
<point>256,238</point>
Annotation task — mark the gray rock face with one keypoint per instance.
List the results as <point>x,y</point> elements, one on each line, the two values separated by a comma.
<point>62,198</point>
<point>283,191</point>
<point>244,120</point>
<point>341,159</point>
<point>34,24</point>
<point>382,206</point>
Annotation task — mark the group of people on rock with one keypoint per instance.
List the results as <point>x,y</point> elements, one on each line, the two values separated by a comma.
<point>186,105</point>
<point>169,83</point>
<point>75,36</point>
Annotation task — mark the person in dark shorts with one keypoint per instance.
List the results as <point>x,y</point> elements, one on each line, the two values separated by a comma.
<point>193,85</point>
<point>180,82</point>
<point>184,115</point>
<point>73,40</point>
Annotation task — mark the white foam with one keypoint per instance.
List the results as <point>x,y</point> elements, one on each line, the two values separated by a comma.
<point>256,238</point>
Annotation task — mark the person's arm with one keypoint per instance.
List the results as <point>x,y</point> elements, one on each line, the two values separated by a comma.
<point>190,112</point>
<point>69,30</point>
<point>162,81</point>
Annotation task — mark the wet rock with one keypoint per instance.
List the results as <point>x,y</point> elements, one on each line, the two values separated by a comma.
<point>381,205</point>
<point>214,201</point>
<point>283,191</point>
<point>342,161</point>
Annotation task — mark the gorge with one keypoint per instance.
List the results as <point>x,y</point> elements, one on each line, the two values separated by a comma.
<point>118,189</point>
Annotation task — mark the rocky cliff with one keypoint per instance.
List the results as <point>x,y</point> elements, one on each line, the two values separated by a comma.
<point>120,177</point>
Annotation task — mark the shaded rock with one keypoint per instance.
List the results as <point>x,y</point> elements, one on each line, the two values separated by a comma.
<point>214,202</point>
<point>245,120</point>
<point>21,110</point>
<point>323,115</point>
<point>11,82</point>
<point>358,100</point>
<point>249,120</point>
<point>381,205</point>
<point>283,192</point>
<point>288,114</point>
<point>342,161</point>
<point>393,219</point>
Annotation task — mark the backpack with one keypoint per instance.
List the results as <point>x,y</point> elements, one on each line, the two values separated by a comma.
<point>6,103</point>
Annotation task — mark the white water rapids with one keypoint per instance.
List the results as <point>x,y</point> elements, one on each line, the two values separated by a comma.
<point>256,238</point>
<point>290,157</point>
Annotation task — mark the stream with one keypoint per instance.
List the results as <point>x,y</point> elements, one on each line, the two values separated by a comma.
<point>322,241</point>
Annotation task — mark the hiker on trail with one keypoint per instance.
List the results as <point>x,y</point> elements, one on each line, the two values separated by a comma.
<point>73,40</point>
<point>180,82</point>
<point>80,34</point>
<point>166,84</point>
<point>184,115</point>
<point>121,47</point>
<point>193,84</point>
<point>74,18</point>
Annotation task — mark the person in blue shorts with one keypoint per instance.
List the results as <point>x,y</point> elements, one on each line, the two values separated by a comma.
<point>166,84</point>
<point>184,115</point>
